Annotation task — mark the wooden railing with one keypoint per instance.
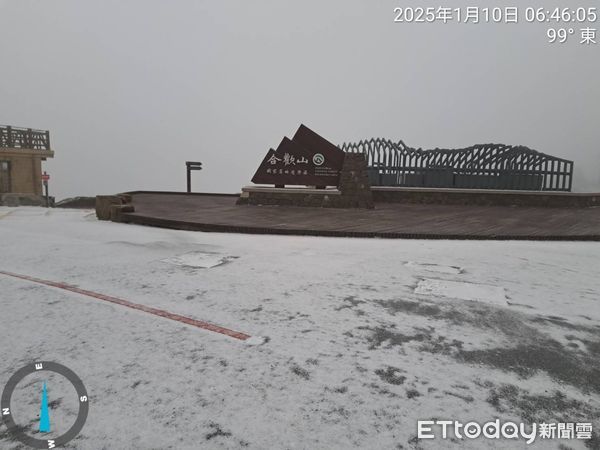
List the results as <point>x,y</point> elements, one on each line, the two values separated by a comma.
<point>27,138</point>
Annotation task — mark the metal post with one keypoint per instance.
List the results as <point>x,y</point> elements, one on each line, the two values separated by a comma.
<point>46,190</point>
<point>191,165</point>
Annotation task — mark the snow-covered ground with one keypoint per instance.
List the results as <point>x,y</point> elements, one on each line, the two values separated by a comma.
<point>362,337</point>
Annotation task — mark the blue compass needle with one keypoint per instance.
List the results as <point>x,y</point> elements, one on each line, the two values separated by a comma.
<point>44,412</point>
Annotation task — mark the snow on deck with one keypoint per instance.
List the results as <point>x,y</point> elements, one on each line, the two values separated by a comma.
<point>354,339</point>
<point>464,291</point>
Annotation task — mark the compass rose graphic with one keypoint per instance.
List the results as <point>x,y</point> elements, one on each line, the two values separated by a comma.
<point>67,409</point>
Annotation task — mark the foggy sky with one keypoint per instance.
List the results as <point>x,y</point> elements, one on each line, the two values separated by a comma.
<point>131,89</point>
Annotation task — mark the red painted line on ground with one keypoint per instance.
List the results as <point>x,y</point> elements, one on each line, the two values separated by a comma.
<point>148,309</point>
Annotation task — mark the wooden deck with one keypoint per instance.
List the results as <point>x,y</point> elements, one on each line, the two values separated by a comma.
<point>207,212</point>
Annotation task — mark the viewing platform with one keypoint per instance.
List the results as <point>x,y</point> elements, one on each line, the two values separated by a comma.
<point>219,213</point>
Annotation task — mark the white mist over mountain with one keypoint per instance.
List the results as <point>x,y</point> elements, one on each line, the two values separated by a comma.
<point>131,90</point>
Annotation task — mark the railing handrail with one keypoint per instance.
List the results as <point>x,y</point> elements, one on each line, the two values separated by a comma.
<point>507,166</point>
<point>26,138</point>
<point>35,130</point>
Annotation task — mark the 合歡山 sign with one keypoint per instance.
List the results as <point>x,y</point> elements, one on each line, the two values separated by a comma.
<point>306,159</point>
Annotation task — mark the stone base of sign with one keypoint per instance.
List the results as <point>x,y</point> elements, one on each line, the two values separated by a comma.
<point>354,190</point>
<point>110,207</point>
<point>318,198</point>
<point>15,199</point>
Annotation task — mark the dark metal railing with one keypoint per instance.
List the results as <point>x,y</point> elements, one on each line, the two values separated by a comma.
<point>485,166</point>
<point>26,138</point>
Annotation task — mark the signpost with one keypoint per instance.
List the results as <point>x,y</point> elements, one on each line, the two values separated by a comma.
<point>191,165</point>
<point>45,179</point>
<point>306,159</point>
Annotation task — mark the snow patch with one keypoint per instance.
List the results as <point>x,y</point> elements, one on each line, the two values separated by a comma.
<point>462,290</point>
<point>201,260</point>
<point>452,270</point>
<point>255,340</point>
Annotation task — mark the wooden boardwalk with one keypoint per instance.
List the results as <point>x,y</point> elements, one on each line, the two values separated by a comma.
<point>206,212</point>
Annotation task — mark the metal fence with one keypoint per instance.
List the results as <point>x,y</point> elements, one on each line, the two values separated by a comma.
<point>27,138</point>
<point>485,166</point>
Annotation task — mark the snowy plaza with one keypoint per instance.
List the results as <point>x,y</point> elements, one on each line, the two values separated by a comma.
<point>353,341</point>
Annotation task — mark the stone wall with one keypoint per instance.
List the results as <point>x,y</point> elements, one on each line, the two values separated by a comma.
<point>354,182</point>
<point>110,207</point>
<point>385,194</point>
<point>24,200</point>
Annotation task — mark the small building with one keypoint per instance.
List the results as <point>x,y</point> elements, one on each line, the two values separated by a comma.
<point>22,151</point>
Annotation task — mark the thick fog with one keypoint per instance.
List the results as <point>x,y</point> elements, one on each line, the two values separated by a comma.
<point>132,89</point>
